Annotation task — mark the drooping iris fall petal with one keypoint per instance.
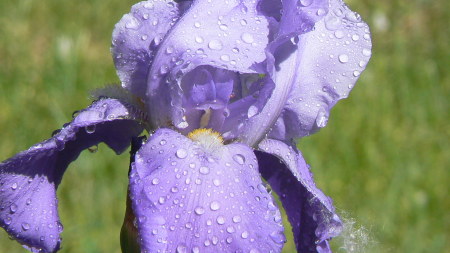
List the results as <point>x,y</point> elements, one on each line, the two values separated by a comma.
<point>310,212</point>
<point>201,197</point>
<point>28,181</point>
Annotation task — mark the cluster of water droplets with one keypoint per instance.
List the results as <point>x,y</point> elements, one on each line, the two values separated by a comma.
<point>350,33</point>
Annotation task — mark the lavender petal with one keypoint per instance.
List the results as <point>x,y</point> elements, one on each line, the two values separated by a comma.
<point>191,197</point>
<point>310,212</point>
<point>28,181</point>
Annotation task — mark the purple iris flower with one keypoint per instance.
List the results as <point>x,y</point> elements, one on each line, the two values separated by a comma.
<point>223,88</point>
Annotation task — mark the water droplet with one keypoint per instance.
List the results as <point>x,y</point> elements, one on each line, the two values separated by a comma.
<point>343,58</point>
<point>229,240</point>
<point>271,206</point>
<point>223,27</point>
<point>155,181</point>
<point>148,5</point>
<point>215,205</point>
<point>13,208</point>
<point>181,153</point>
<point>28,202</point>
<point>133,23</point>
<point>252,111</point>
<point>181,248</point>
<point>305,3</point>
<point>169,50</point>
<point>237,219</point>
<point>8,220</point>
<point>14,186</point>
<point>321,12</point>
<point>197,24</point>
<point>164,69</point>
<point>216,182</point>
<point>230,229</point>
<point>163,142</point>
<point>220,220</point>
<point>243,22</point>
<point>215,45</point>
<point>356,73</point>
<point>204,170</point>
<point>332,23</point>
<point>339,34</point>
<point>225,57</point>
<point>244,235</point>
<point>195,250</point>
<point>174,189</point>
<point>215,240</point>
<point>198,39</point>
<point>199,210</point>
<point>366,52</point>
<point>278,237</point>
<point>240,159</point>
<point>161,200</point>
<point>247,38</point>
<point>25,226</point>
<point>93,149</point>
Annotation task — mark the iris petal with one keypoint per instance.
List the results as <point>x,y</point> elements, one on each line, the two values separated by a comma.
<point>192,197</point>
<point>331,58</point>
<point>223,34</point>
<point>296,17</point>
<point>313,64</point>
<point>310,212</point>
<point>136,38</point>
<point>28,181</point>
<point>207,90</point>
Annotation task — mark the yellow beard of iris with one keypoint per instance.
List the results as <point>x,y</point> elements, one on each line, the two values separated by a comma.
<point>207,138</point>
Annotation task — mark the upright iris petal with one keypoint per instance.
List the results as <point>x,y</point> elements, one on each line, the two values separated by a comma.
<point>136,39</point>
<point>329,61</point>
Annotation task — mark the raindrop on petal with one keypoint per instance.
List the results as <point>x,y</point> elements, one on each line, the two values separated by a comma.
<point>278,237</point>
<point>343,58</point>
<point>215,206</point>
<point>215,45</point>
<point>247,38</point>
<point>25,226</point>
<point>90,129</point>
<point>240,159</point>
<point>204,170</point>
<point>181,248</point>
<point>181,153</point>
<point>220,220</point>
<point>199,210</point>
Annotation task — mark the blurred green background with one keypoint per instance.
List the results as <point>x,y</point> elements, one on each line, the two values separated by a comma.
<point>384,156</point>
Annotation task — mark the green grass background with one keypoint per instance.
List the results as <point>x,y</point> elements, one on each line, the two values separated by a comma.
<point>384,156</point>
